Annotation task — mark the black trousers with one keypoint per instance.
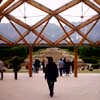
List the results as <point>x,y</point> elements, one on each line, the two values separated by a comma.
<point>61,71</point>
<point>36,69</point>
<point>51,86</point>
<point>15,75</point>
<point>1,75</point>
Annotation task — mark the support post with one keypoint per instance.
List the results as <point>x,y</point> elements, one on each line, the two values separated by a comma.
<point>30,61</point>
<point>75,62</point>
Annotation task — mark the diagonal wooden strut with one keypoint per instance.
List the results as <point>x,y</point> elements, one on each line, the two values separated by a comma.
<point>6,4</point>
<point>8,42</point>
<point>82,40</point>
<point>10,9</point>
<point>19,34</point>
<point>92,5</point>
<point>29,28</point>
<point>55,13</point>
<point>65,32</point>
<point>41,32</point>
<point>78,27</point>
<point>68,42</point>
<point>74,28</point>
<point>67,6</point>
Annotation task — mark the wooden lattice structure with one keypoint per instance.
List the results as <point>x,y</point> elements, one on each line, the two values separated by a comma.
<point>10,5</point>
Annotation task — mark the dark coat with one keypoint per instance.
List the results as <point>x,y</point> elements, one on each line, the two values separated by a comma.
<point>67,66</point>
<point>37,63</point>
<point>51,72</point>
<point>16,64</point>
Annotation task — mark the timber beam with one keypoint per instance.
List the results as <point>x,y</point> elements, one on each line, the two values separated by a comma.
<point>8,42</point>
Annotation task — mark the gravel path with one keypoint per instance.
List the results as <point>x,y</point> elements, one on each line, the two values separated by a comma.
<point>85,87</point>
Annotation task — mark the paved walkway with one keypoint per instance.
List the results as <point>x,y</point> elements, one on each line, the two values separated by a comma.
<point>85,87</point>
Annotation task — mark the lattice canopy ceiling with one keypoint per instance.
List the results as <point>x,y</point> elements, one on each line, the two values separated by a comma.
<point>52,22</point>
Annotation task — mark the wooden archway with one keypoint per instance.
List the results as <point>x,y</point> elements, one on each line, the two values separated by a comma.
<point>7,8</point>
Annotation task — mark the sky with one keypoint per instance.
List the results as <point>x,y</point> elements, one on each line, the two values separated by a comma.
<point>34,15</point>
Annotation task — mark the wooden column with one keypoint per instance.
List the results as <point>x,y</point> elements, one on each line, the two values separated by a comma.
<point>76,62</point>
<point>30,61</point>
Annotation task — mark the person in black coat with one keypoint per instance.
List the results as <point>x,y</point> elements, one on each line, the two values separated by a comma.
<point>37,65</point>
<point>16,65</point>
<point>67,65</point>
<point>51,74</point>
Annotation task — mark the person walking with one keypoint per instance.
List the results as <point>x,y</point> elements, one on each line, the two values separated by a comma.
<point>51,74</point>
<point>16,65</point>
<point>2,69</point>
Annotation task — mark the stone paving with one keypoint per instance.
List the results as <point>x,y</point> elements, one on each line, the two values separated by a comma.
<point>85,87</point>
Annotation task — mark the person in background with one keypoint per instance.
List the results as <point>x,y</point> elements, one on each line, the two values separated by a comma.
<point>51,74</point>
<point>37,65</point>
<point>16,65</point>
<point>61,66</point>
<point>64,68</point>
<point>67,65</point>
<point>2,69</point>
